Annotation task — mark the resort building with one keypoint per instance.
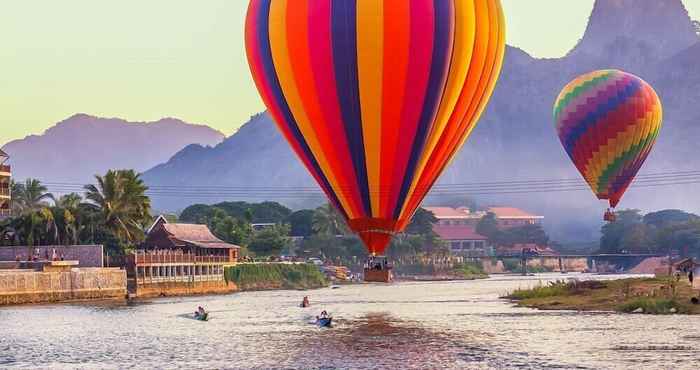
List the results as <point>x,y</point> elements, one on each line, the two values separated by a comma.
<point>5,186</point>
<point>463,240</point>
<point>507,217</point>
<point>196,240</point>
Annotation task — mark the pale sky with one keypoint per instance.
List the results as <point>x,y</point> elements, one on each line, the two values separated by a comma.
<point>142,60</point>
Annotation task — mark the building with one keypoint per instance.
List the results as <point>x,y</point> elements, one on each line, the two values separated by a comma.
<point>510,217</point>
<point>196,240</point>
<point>457,227</point>
<point>455,216</point>
<point>507,217</point>
<point>5,186</point>
<point>463,240</point>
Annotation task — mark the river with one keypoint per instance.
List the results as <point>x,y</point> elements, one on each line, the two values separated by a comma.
<point>427,325</point>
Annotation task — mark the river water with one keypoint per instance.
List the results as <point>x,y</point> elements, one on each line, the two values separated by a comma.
<point>432,325</point>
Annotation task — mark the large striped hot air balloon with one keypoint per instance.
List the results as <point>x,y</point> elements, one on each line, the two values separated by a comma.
<point>608,122</point>
<point>375,96</point>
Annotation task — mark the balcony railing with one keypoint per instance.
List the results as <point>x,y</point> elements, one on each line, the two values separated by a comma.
<point>5,168</point>
<point>142,258</point>
<point>4,191</point>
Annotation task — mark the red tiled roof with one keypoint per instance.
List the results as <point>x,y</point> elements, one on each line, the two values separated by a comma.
<point>457,232</point>
<point>511,212</point>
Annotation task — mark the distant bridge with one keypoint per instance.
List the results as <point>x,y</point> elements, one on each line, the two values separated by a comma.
<point>568,262</point>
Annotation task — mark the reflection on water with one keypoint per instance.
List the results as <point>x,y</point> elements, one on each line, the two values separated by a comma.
<point>458,325</point>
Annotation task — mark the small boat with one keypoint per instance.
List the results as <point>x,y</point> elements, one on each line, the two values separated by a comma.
<point>324,322</point>
<point>201,316</point>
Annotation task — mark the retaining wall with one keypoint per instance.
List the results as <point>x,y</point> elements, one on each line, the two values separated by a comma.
<point>27,286</point>
<point>176,288</point>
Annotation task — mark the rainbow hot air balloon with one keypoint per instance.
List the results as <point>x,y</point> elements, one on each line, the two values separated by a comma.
<point>608,122</point>
<point>375,96</point>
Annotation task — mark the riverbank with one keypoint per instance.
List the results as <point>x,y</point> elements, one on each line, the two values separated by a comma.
<point>634,295</point>
<point>465,271</point>
<point>273,276</point>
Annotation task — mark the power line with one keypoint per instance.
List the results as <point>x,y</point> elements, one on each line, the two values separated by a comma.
<point>521,187</point>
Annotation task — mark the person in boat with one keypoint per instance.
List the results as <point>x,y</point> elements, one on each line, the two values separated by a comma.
<point>324,315</point>
<point>200,312</point>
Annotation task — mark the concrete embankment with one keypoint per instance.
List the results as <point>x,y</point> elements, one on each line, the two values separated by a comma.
<point>271,276</point>
<point>184,288</point>
<point>28,286</point>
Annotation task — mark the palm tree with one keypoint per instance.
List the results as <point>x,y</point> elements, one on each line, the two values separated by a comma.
<point>30,196</point>
<point>70,201</point>
<point>328,221</point>
<point>123,205</point>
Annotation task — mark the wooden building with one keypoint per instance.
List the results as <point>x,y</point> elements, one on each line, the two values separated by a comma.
<point>196,240</point>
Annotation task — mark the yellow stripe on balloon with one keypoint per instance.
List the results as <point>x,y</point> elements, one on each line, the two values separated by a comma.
<point>285,74</point>
<point>370,64</point>
<point>498,41</point>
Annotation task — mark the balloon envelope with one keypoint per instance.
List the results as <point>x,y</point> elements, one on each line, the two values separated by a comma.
<point>608,122</point>
<point>375,96</point>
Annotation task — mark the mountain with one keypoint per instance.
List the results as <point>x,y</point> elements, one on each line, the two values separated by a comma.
<point>76,149</point>
<point>255,156</point>
<point>515,139</point>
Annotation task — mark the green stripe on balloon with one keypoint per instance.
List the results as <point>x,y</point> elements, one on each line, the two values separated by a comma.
<point>578,90</point>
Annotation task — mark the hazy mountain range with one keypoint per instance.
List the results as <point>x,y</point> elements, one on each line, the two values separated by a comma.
<point>77,148</point>
<point>515,139</point>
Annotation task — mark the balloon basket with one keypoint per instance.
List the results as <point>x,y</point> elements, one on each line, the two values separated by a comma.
<point>378,276</point>
<point>609,216</point>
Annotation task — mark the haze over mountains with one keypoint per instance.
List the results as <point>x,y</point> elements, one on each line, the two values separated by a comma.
<point>77,148</point>
<point>515,139</point>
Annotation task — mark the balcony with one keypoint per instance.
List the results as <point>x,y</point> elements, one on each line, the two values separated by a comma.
<point>4,191</point>
<point>5,170</point>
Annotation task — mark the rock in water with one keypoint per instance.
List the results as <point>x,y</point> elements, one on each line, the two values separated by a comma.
<point>638,310</point>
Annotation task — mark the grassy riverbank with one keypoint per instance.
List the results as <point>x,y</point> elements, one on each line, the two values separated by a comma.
<point>465,271</point>
<point>269,276</point>
<point>650,296</point>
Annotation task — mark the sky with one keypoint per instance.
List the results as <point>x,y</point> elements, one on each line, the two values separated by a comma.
<point>144,60</point>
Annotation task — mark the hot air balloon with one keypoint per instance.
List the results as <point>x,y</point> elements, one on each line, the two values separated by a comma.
<point>608,122</point>
<point>375,96</point>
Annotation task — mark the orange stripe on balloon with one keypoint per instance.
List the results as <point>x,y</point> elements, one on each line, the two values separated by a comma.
<point>370,61</point>
<point>395,66</point>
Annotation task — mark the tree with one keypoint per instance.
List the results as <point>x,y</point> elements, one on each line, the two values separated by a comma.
<point>124,208</point>
<point>611,240</point>
<point>269,241</point>
<point>668,217</point>
<point>328,221</point>
<point>526,234</point>
<point>230,229</point>
<point>301,223</point>
<point>30,196</point>
<point>422,223</point>
<point>488,227</point>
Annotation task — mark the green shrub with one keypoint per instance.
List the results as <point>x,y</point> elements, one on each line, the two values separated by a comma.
<point>275,275</point>
<point>552,289</point>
